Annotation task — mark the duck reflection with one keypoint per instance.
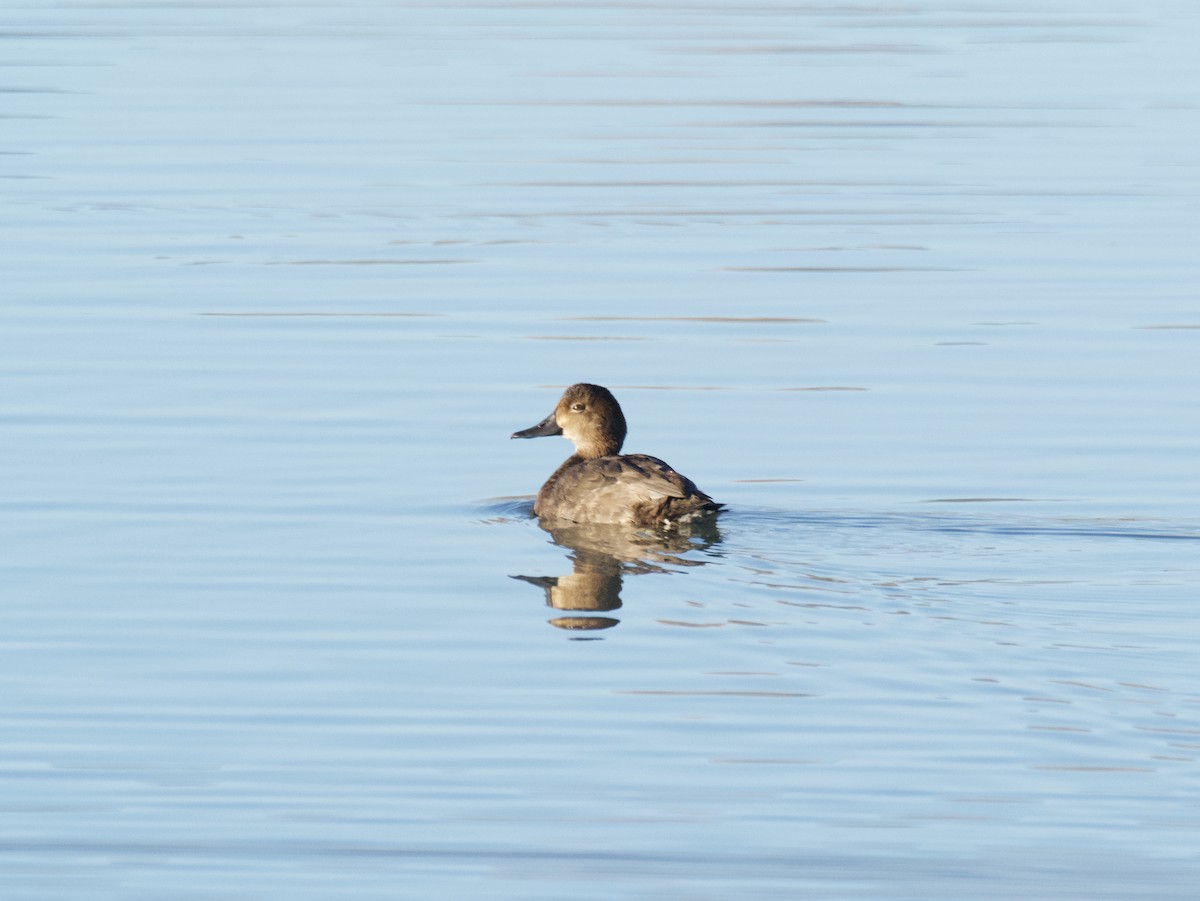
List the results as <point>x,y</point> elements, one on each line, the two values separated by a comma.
<point>602,556</point>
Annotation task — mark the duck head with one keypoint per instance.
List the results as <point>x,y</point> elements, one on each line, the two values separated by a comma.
<point>589,417</point>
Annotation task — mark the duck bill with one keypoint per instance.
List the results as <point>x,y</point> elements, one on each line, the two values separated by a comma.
<point>548,426</point>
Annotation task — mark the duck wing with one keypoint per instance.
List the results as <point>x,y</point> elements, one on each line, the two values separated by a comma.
<point>631,488</point>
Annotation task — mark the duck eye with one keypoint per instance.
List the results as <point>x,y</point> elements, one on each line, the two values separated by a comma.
<point>578,408</point>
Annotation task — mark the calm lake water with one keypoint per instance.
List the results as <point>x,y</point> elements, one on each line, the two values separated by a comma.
<point>911,287</point>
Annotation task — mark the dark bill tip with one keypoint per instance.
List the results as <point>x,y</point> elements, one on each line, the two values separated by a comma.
<point>548,426</point>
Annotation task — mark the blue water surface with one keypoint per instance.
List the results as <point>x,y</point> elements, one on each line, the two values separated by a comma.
<point>910,288</point>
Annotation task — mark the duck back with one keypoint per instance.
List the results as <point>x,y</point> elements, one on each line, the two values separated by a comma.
<point>627,489</point>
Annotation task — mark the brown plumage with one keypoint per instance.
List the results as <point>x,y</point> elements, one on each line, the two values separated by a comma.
<point>598,483</point>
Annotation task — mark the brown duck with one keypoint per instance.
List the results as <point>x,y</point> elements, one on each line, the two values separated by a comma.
<point>599,484</point>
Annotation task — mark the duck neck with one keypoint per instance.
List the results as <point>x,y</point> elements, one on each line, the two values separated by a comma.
<point>595,449</point>
<point>599,442</point>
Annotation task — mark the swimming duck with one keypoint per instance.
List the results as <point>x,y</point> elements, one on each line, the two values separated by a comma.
<point>599,484</point>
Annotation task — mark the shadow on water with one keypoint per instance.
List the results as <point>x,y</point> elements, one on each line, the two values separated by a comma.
<point>601,557</point>
<point>846,552</point>
<point>766,521</point>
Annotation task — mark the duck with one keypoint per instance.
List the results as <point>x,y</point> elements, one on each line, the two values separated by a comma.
<point>598,484</point>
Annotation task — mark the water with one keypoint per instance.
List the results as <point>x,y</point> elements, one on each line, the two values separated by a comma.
<point>910,288</point>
